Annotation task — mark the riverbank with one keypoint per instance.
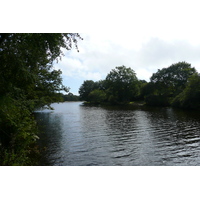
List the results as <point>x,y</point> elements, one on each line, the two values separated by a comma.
<point>133,104</point>
<point>138,104</point>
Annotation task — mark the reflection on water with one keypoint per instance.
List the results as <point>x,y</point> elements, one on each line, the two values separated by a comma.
<point>74,134</point>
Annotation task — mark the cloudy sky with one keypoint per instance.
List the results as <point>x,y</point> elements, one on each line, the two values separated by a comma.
<point>143,35</point>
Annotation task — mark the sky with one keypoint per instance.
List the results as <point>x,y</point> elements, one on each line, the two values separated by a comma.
<point>99,54</point>
<point>143,35</point>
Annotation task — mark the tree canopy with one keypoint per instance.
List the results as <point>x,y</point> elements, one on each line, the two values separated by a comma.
<point>122,83</point>
<point>167,83</point>
<point>120,86</point>
<point>176,85</point>
<point>85,89</point>
<point>190,96</point>
<point>172,79</point>
<point>27,65</point>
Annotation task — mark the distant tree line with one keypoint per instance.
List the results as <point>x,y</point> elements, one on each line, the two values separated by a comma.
<point>70,97</point>
<point>177,85</point>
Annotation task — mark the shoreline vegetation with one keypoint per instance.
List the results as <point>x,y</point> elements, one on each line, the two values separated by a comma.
<point>29,82</point>
<point>177,86</point>
<point>136,105</point>
<point>127,104</point>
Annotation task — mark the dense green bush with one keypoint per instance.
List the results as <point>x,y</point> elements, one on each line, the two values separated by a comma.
<point>18,133</point>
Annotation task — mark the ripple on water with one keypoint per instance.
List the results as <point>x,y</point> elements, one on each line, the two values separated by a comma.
<point>79,135</point>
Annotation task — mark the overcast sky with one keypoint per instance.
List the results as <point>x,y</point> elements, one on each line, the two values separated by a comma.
<point>143,35</point>
<point>98,54</point>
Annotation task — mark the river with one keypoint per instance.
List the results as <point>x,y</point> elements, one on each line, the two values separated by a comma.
<point>76,135</point>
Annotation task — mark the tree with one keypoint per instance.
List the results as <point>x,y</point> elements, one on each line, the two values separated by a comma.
<point>172,80</point>
<point>167,83</point>
<point>122,84</point>
<point>70,97</point>
<point>28,81</point>
<point>190,97</point>
<point>85,89</point>
<point>141,85</point>
<point>27,63</point>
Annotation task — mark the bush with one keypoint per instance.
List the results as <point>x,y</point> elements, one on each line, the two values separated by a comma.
<point>17,133</point>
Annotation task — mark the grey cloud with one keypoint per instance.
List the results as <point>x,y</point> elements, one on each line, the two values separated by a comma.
<point>100,58</point>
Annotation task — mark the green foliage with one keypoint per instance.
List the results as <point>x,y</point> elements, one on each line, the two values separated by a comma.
<point>167,83</point>
<point>18,133</point>
<point>148,88</point>
<point>27,65</point>
<point>70,97</point>
<point>172,80</point>
<point>85,89</point>
<point>122,84</point>
<point>190,97</point>
<point>141,86</point>
<point>177,85</point>
<point>28,81</point>
<point>97,96</point>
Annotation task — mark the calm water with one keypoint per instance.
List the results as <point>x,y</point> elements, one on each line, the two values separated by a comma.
<point>74,134</point>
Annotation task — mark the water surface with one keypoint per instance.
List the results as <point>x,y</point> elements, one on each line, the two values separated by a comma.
<point>78,135</point>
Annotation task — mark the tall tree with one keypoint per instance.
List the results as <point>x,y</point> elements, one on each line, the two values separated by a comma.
<point>122,84</point>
